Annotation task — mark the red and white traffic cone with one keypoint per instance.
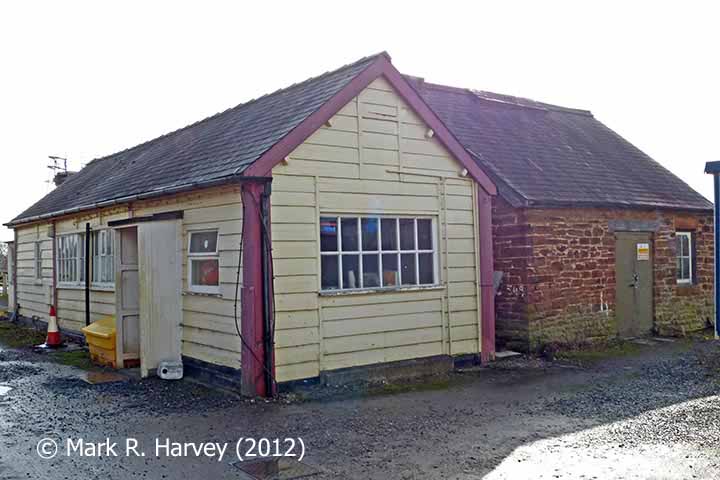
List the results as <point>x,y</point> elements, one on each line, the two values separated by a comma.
<point>53,334</point>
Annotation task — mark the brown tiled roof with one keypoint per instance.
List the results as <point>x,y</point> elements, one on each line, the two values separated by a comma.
<point>542,154</point>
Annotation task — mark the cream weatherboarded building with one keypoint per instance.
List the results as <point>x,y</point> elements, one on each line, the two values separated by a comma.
<point>333,225</point>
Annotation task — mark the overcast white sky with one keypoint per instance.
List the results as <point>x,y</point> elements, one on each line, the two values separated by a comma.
<point>86,79</point>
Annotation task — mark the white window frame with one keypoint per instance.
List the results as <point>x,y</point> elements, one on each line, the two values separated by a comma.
<point>207,289</point>
<point>685,255</point>
<point>77,261</point>
<point>38,260</point>
<point>65,263</point>
<point>380,252</point>
<point>97,257</point>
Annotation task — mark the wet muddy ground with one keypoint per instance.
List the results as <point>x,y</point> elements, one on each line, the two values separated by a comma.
<point>631,411</point>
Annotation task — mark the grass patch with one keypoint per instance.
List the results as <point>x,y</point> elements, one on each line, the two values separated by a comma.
<point>441,382</point>
<point>76,358</point>
<point>359,389</point>
<point>14,336</point>
<point>599,353</point>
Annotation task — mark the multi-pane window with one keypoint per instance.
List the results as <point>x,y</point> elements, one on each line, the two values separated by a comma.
<point>376,252</point>
<point>203,262</point>
<point>71,258</point>
<point>684,257</point>
<point>38,260</point>
<point>103,261</point>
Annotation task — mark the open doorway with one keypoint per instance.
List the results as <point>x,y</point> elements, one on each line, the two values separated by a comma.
<point>127,298</point>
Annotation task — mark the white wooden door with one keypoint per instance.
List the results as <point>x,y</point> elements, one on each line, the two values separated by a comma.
<point>160,263</point>
<point>127,297</point>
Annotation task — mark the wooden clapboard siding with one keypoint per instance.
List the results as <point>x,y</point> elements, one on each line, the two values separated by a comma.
<point>71,306</point>
<point>34,295</point>
<point>208,324</point>
<point>356,164</point>
<point>375,156</point>
<point>209,331</point>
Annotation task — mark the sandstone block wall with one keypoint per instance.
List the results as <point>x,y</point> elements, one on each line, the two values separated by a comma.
<point>558,269</point>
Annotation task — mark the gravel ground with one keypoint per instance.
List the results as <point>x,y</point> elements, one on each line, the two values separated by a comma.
<point>646,412</point>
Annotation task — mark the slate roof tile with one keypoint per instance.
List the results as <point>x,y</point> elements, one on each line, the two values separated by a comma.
<point>543,154</point>
<point>537,153</point>
<point>216,147</point>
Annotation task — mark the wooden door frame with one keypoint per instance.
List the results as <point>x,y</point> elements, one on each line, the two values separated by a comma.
<point>137,222</point>
<point>120,353</point>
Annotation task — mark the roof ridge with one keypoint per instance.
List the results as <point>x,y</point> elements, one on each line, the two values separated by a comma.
<point>245,104</point>
<point>532,104</point>
<point>503,98</point>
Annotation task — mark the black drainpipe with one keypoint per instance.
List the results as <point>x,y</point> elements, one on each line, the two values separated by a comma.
<point>87,274</point>
<point>268,334</point>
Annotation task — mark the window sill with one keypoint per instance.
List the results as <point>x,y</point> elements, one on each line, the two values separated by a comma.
<point>686,289</point>
<point>204,294</point>
<point>373,291</point>
<point>93,288</point>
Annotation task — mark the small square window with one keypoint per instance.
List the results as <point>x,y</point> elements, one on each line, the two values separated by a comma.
<point>203,262</point>
<point>205,272</point>
<point>203,242</point>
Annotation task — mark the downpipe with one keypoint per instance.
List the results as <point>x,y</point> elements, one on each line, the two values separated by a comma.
<point>87,274</point>
<point>267,291</point>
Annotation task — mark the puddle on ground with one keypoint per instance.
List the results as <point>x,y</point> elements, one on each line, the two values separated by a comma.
<point>94,378</point>
<point>274,468</point>
<point>5,389</point>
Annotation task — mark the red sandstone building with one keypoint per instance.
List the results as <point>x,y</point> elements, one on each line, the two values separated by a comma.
<point>592,238</point>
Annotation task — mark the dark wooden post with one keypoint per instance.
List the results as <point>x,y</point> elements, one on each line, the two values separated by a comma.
<point>487,290</point>
<point>253,349</point>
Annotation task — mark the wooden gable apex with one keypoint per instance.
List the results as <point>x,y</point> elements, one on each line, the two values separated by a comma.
<point>382,66</point>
